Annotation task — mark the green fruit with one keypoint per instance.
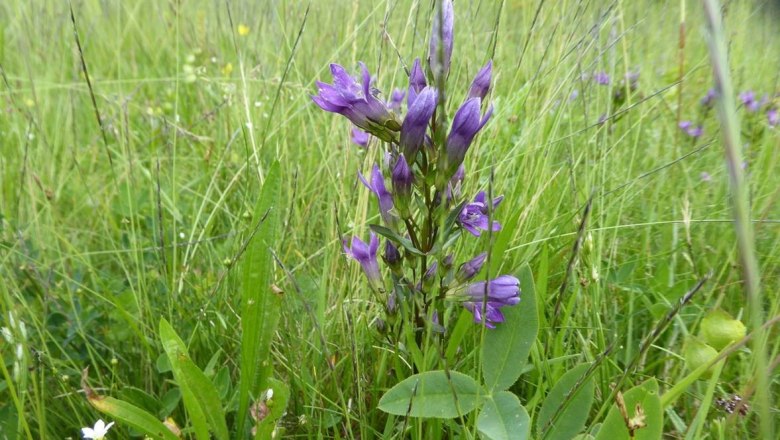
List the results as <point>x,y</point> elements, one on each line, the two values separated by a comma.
<point>697,353</point>
<point>719,329</point>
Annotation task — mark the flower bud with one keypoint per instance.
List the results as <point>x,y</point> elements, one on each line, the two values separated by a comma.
<point>402,179</point>
<point>471,268</point>
<point>719,329</point>
<point>697,353</point>
<point>481,84</point>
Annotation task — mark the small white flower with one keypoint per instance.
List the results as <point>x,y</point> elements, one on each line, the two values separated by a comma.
<point>98,432</point>
<point>269,394</point>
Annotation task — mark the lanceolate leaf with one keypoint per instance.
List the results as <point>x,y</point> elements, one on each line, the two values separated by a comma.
<point>503,418</point>
<point>566,408</point>
<point>645,397</point>
<point>506,348</point>
<point>131,415</point>
<point>432,394</point>
<point>201,400</point>
<point>260,305</point>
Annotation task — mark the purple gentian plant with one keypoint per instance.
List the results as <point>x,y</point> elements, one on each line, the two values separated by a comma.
<point>423,215</point>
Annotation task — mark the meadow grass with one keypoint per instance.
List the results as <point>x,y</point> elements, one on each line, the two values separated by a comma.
<point>105,231</point>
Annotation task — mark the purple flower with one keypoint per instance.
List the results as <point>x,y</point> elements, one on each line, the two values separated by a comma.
<point>396,98</point>
<point>748,99</point>
<point>392,255</point>
<point>377,186</point>
<point>773,117</point>
<point>471,268</point>
<point>416,83</point>
<point>601,78</point>
<point>574,94</point>
<point>709,99</point>
<point>402,178</point>
<point>365,254</point>
<point>465,125</point>
<point>440,50</point>
<point>474,216</point>
<point>691,130</point>
<point>705,176</point>
<point>491,296</point>
<point>416,122</point>
<point>360,137</point>
<point>357,102</point>
<point>632,78</point>
<point>481,84</point>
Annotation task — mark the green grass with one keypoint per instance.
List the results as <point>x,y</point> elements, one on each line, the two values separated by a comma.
<point>93,253</point>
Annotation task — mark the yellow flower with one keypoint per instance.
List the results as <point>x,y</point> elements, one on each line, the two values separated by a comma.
<point>228,69</point>
<point>243,30</point>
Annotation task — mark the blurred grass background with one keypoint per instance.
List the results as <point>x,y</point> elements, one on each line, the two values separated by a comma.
<point>105,231</point>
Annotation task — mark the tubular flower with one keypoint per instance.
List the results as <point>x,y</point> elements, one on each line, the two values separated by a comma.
<point>377,186</point>
<point>471,268</point>
<point>691,130</point>
<point>396,98</point>
<point>465,125</point>
<point>416,122</point>
<point>365,254</point>
<point>481,84</point>
<point>601,78</point>
<point>489,297</point>
<point>773,117</point>
<point>416,83</point>
<point>474,216</point>
<point>357,102</point>
<point>402,178</point>
<point>440,50</point>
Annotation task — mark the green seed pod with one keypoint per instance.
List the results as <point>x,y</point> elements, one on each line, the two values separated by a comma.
<point>719,329</point>
<point>697,353</point>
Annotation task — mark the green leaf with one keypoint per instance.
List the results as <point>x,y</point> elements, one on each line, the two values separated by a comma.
<point>506,348</point>
<point>646,396</point>
<point>132,415</point>
<point>390,234</point>
<point>566,409</point>
<point>503,418</point>
<point>276,406</point>
<point>260,305</point>
<point>432,394</point>
<point>201,400</point>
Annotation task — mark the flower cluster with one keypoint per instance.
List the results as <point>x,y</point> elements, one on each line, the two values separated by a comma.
<point>418,184</point>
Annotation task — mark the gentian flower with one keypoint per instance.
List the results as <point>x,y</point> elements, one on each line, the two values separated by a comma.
<point>360,137</point>
<point>471,268</point>
<point>416,122</point>
<point>601,78</point>
<point>474,216</point>
<point>492,295</point>
<point>402,179</point>
<point>377,186</point>
<point>454,185</point>
<point>358,102</point>
<point>440,50</point>
<point>773,117</point>
<point>748,99</point>
<point>709,99</point>
<point>416,83</point>
<point>396,98</point>
<point>691,130</point>
<point>98,432</point>
<point>465,125</point>
<point>392,255</point>
<point>365,254</point>
<point>481,84</point>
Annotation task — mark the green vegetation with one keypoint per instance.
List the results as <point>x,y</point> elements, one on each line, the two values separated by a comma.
<point>131,220</point>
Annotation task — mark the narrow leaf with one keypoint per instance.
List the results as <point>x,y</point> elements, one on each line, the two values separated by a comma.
<point>131,415</point>
<point>393,236</point>
<point>566,408</point>
<point>260,305</point>
<point>432,394</point>
<point>200,397</point>
<point>503,418</point>
<point>506,348</point>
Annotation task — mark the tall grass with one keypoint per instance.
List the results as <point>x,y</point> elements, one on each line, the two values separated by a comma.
<point>194,112</point>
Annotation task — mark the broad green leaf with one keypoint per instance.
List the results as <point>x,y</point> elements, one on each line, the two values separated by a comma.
<point>276,406</point>
<point>566,409</point>
<point>506,348</point>
<point>646,396</point>
<point>260,305</point>
<point>201,400</point>
<point>503,418</point>
<point>132,415</point>
<point>432,394</point>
